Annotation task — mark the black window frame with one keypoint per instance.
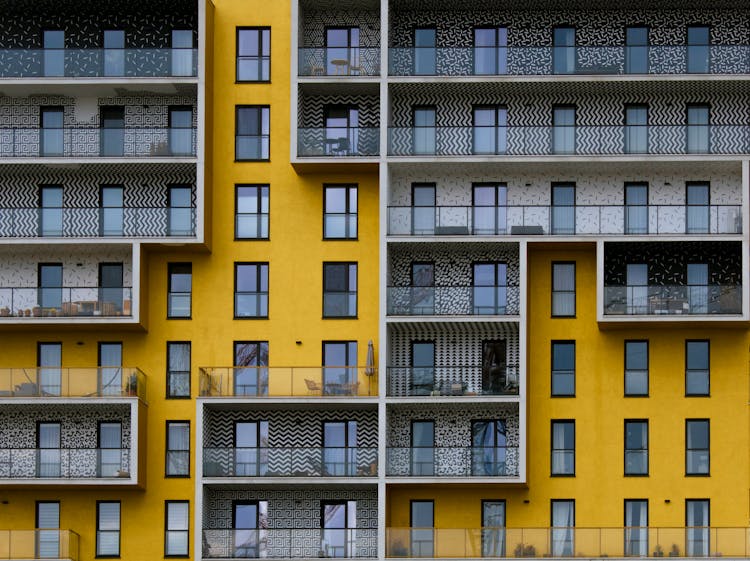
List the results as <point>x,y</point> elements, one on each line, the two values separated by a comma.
<point>261,57</point>
<point>553,291</point>
<point>707,450</point>
<point>553,370</point>
<point>261,189</point>
<point>625,367</point>
<point>119,531</point>
<point>347,290</point>
<point>350,187</point>
<point>169,393</point>
<point>688,370</point>
<point>167,502</point>
<point>260,108</point>
<point>625,448</point>
<point>167,424</point>
<point>554,422</point>
<point>260,266</point>
<point>172,269</point>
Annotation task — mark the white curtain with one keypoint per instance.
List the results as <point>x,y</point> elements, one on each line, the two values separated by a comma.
<point>636,530</point>
<point>697,531</point>
<point>110,444</point>
<point>563,289</point>
<point>563,521</point>
<point>108,529</point>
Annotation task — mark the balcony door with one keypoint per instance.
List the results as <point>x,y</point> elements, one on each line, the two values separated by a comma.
<point>52,141</point>
<point>493,528</point>
<point>636,528</point>
<point>697,280</point>
<point>111,288</point>
<point>563,129</point>
<point>342,130</point>
<point>564,50</point>
<point>339,448</point>
<point>338,523</point>
<point>251,368</point>
<point>47,526</point>
<point>636,129</point>
<point>49,361</point>
<point>490,50</point>
<point>423,209</point>
<point>111,211</point>
<point>636,208</point>
<point>636,50</point>
<point>112,121</point>
<point>246,518</point>
<point>697,523</point>
<point>53,60</point>
<point>422,523</point>
<point>340,374</point>
<point>490,209</point>
<point>422,367</point>
<point>182,52</point>
<point>181,131</point>
<point>698,129</point>
<point>425,51</point>
<point>636,279</point>
<point>698,49</point>
<point>490,288</point>
<point>180,216</point>
<point>342,50</point>
<point>110,369</point>
<point>114,52</point>
<point>424,135</point>
<point>422,301</point>
<point>51,210</point>
<point>490,134</point>
<point>488,447</point>
<point>250,448</point>
<point>563,526</point>
<point>110,449</point>
<point>49,460</point>
<point>495,378</point>
<point>697,197</point>
<point>423,448</point>
<point>564,209</point>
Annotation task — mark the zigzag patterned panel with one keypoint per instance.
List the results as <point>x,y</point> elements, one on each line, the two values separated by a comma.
<point>312,109</point>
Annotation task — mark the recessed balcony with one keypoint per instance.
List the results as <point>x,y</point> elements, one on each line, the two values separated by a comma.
<point>339,62</point>
<point>89,382</point>
<point>338,142</point>
<point>17,545</point>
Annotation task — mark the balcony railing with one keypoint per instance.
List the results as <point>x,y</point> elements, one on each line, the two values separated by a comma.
<point>94,142</point>
<point>285,543</point>
<point>50,381</point>
<point>410,381</point>
<point>93,222</point>
<point>64,463</point>
<point>597,140</point>
<point>65,302</point>
<point>38,544</point>
<point>567,541</point>
<point>452,300</point>
<point>644,300</point>
<point>578,60</point>
<point>339,61</point>
<point>276,381</point>
<point>500,461</point>
<point>608,220</point>
<point>98,63</point>
<point>290,462</point>
<point>338,142</point>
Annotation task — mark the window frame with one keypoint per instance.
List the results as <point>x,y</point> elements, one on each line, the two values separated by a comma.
<point>168,502</point>
<point>167,424</point>
<point>708,450</point>
<point>261,108</point>
<point>347,291</point>
<point>261,58</point>
<point>259,187</point>
<point>168,394</point>
<point>625,368</point>
<point>347,202</point>
<point>119,530</point>
<point>258,278</point>
<point>552,366</point>
<point>554,422</point>
<point>625,449</point>
<point>170,267</point>
<point>553,291</point>
<point>708,360</point>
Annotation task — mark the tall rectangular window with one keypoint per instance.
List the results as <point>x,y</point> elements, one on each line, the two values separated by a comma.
<point>110,369</point>
<point>341,130</point>
<point>697,368</point>
<point>176,525</point>
<point>422,523</point>
<point>563,209</point>
<point>490,50</point>
<point>563,368</point>
<point>563,460</point>
<point>253,54</point>
<point>490,288</point>
<point>563,289</point>
<point>179,289</point>
<point>53,43</point>
<point>698,48</point>
<point>563,129</point>
<point>636,50</point>
<point>636,129</point>
<point>342,50</point>
<point>490,135</point>
<point>180,130</point>
<point>111,457</point>
<point>340,212</point>
<point>114,52</point>
<point>564,50</point>
<point>697,522</point>
<point>178,369</point>
<point>489,441</point>
<point>250,368</point>
<point>423,211</point>
<point>697,447</point>
<point>251,212</point>
<point>636,447</point>
<point>636,527</point>
<point>698,129</point>
<point>490,209</point>
<point>339,290</point>
<point>50,287</point>
<point>111,210</point>
<point>112,125</point>
<point>425,51</point>
<point>251,290</point>
<point>183,63</point>
<point>697,198</point>
<point>49,460</point>
<point>49,362</point>
<point>52,140</point>
<point>50,210</point>
<point>636,208</point>
<point>563,525</point>
<point>424,131</point>
<point>340,372</point>
<point>47,530</point>
<point>108,528</point>
<point>178,449</point>
<point>180,217</point>
<point>253,132</point>
<point>636,368</point>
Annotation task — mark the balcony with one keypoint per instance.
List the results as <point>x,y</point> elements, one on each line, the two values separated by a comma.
<point>65,302</point>
<point>339,61</point>
<point>333,142</point>
<point>288,543</point>
<point>39,544</point>
<point>595,220</point>
<point>567,541</point>
<point>495,461</point>
<point>453,300</point>
<point>290,462</point>
<point>694,299</point>
<point>64,463</point>
<point>338,382</point>
<point>95,142</point>
<point>619,140</point>
<point>546,60</point>
<point>453,381</point>
<point>99,63</point>
<point>52,382</point>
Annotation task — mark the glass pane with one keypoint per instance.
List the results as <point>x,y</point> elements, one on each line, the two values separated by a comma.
<point>425,52</point>
<point>563,51</point>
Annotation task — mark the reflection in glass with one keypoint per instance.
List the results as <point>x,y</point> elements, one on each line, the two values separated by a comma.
<point>563,50</point>
<point>424,130</point>
<point>490,51</point>
<point>423,367</point>
<point>252,380</point>
<point>636,50</point>
<point>698,42</point>
<point>424,51</point>
<point>114,52</point>
<point>563,130</point>
<point>636,208</point>
<point>488,447</point>
<point>490,209</point>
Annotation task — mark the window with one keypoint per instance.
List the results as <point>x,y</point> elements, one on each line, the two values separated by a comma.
<point>48,443</point>
<point>176,542</point>
<point>697,288</point>
<point>178,369</point>
<point>178,449</point>
<point>698,129</point>
<point>253,54</point>
<point>340,372</point>
<point>490,288</point>
<point>697,522</point>
<point>52,140</point>
<point>49,361</point>
<point>488,447</point>
<point>422,297</point>
<point>636,208</point>
<point>114,52</point>
<point>490,50</point>
<point>563,448</point>
<point>698,45</point>
<point>490,209</point>
<point>563,525</point>
<point>182,53</point>
<point>50,291</point>
<point>563,209</point>
<point>180,217</point>
<point>340,212</point>
<point>563,129</point>
<point>564,50</point>
<point>252,142</point>
<point>636,129</point>
<point>636,368</point>
<point>342,130</point>
<point>50,210</point>
<point>697,197</point>
<point>179,290</point>
<point>342,50</point>
<point>250,448</point>
<point>490,135</point>
<point>47,530</point>
<point>53,43</point>
<point>251,290</point>
<point>111,211</point>
<point>107,529</point>
<point>251,368</point>
<point>423,210</point>
<point>697,447</point>
<point>422,522</point>
<point>424,136</point>
<point>636,280</point>
<point>339,448</point>
<point>636,527</point>
<point>563,289</point>
<point>697,367</point>
<point>498,378</point>
<point>110,370</point>
<point>251,212</point>
<point>181,130</point>
<point>424,51</point>
<point>112,123</point>
<point>110,462</point>
<point>111,289</point>
<point>338,520</point>
<point>563,368</point>
<point>493,528</point>
<point>339,290</point>
<point>422,367</point>
<point>636,447</point>
<point>636,50</point>
<point>248,517</point>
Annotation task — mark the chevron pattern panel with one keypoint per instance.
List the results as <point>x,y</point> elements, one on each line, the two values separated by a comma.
<point>456,344</point>
<point>667,262</point>
<point>312,109</point>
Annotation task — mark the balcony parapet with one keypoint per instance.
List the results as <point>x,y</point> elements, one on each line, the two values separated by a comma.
<point>454,461</point>
<point>333,142</point>
<point>285,543</point>
<point>454,381</point>
<point>53,382</point>
<point>16,545</point>
<point>339,61</point>
<point>65,302</point>
<point>653,300</point>
<point>64,463</point>
<point>453,300</point>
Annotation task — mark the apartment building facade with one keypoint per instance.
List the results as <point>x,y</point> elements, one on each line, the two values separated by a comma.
<point>374,279</point>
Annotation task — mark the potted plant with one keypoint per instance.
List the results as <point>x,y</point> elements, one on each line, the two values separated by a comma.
<point>675,551</point>
<point>133,384</point>
<point>658,551</point>
<point>398,549</point>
